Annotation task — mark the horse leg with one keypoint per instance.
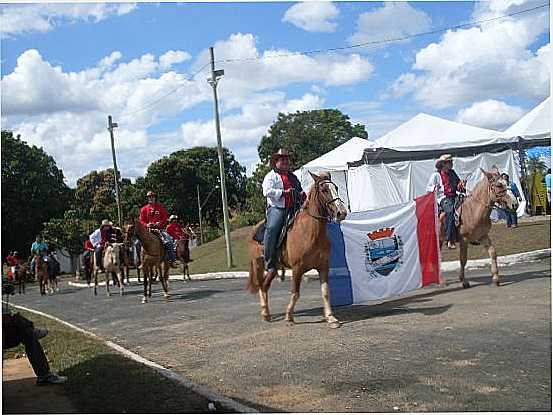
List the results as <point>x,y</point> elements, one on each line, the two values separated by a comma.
<point>493,256</point>
<point>332,321</point>
<point>296,282</point>
<point>463,249</point>
<point>108,277</point>
<point>120,277</point>
<point>145,280</point>
<point>95,272</point>
<point>164,278</point>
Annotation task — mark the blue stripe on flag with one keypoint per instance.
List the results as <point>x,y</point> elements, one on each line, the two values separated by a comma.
<point>339,277</point>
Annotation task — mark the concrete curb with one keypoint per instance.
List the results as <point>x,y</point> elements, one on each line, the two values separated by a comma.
<point>215,397</point>
<point>448,266</point>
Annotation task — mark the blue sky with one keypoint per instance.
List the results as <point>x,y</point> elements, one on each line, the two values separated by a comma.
<point>65,67</point>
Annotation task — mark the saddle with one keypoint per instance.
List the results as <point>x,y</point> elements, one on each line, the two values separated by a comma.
<point>288,222</point>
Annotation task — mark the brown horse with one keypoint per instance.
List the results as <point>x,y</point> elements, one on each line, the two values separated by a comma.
<point>153,255</point>
<point>41,274</point>
<point>183,254</point>
<point>475,222</point>
<point>112,264</point>
<point>20,275</point>
<point>306,247</point>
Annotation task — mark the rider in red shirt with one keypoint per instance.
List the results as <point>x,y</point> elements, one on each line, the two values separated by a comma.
<point>174,229</point>
<point>153,216</point>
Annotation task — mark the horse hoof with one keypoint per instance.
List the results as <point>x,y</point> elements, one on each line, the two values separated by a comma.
<point>167,296</point>
<point>144,300</point>
<point>466,284</point>
<point>335,325</point>
<point>495,282</point>
<point>266,318</point>
<point>290,323</point>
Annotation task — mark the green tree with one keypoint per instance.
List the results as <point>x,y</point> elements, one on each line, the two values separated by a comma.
<point>255,202</point>
<point>308,135</point>
<point>69,232</point>
<point>33,192</point>
<point>176,177</point>
<point>536,164</point>
<point>95,195</point>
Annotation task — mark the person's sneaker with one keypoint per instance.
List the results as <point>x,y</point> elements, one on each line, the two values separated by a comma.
<point>51,379</point>
<point>40,333</point>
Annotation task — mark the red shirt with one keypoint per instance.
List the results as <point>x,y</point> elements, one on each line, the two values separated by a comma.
<point>153,213</point>
<point>448,191</point>
<point>12,260</point>
<point>88,245</point>
<point>288,201</point>
<point>175,230</point>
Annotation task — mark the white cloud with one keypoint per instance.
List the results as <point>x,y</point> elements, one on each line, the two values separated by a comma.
<point>391,21</point>
<point>491,114</point>
<point>19,19</point>
<point>313,16</point>
<point>494,60</point>
<point>173,56</point>
<point>108,61</point>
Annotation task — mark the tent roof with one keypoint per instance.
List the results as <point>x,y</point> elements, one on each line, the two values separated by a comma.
<point>536,123</point>
<point>338,158</point>
<point>427,132</point>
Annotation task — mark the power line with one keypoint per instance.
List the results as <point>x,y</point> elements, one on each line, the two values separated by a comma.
<point>384,41</point>
<point>373,44</point>
<point>152,103</point>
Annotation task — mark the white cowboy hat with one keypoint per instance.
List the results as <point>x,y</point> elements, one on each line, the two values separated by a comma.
<point>173,217</point>
<point>106,222</point>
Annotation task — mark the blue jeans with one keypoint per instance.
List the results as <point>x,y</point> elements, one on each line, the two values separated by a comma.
<point>512,218</point>
<point>169,245</point>
<point>448,206</point>
<point>273,226</point>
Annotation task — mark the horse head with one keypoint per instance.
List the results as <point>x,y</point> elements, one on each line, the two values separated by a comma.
<point>326,192</point>
<point>113,251</point>
<point>499,192</point>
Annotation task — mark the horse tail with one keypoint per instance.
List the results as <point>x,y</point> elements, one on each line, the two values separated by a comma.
<point>255,277</point>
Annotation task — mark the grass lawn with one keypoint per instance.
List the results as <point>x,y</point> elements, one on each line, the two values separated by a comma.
<point>101,380</point>
<point>529,236</point>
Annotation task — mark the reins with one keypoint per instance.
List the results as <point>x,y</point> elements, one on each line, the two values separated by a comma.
<point>328,217</point>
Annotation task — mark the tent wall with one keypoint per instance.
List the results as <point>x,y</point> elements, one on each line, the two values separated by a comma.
<point>377,186</point>
<point>339,177</point>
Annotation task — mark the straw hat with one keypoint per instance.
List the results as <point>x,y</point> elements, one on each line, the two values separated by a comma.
<point>173,217</point>
<point>443,158</point>
<point>106,222</point>
<point>282,152</point>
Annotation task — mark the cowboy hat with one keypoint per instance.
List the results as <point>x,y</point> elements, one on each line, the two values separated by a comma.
<point>173,217</point>
<point>106,222</point>
<point>445,157</point>
<point>282,152</point>
<point>150,193</point>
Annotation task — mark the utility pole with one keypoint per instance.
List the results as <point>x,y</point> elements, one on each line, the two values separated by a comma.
<point>111,126</point>
<point>215,75</point>
<point>200,214</point>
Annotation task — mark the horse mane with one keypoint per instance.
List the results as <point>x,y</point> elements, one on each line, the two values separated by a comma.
<point>311,200</point>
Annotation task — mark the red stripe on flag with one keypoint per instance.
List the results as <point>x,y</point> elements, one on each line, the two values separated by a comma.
<point>428,238</point>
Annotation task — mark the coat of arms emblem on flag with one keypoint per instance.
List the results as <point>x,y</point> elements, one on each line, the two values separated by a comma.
<point>383,252</point>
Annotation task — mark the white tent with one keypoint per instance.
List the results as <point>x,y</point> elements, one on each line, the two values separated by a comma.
<point>376,185</point>
<point>336,162</point>
<point>535,124</point>
<point>427,132</point>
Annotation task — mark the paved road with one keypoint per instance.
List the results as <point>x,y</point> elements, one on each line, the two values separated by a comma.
<point>481,349</point>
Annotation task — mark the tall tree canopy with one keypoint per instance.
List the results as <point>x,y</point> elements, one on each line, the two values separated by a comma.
<point>33,192</point>
<point>95,195</point>
<point>175,178</point>
<point>308,135</point>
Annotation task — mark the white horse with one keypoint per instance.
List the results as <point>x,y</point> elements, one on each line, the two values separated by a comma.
<point>112,263</point>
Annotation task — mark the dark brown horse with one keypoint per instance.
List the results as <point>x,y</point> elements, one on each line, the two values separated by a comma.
<point>475,222</point>
<point>41,273</point>
<point>306,247</point>
<point>183,254</point>
<point>153,255</point>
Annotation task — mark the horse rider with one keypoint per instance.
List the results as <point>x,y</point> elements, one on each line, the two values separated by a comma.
<point>38,248</point>
<point>447,183</point>
<point>154,215</point>
<point>99,239</point>
<point>178,232</point>
<point>284,196</point>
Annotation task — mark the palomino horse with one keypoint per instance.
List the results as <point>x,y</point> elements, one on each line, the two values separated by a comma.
<point>153,255</point>
<point>183,254</point>
<point>112,264</point>
<point>475,222</point>
<point>306,247</point>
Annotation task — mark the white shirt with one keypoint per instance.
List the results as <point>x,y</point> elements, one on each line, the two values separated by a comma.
<point>95,238</point>
<point>435,182</point>
<point>273,189</point>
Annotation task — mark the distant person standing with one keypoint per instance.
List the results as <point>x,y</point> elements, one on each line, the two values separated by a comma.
<point>511,216</point>
<point>548,186</point>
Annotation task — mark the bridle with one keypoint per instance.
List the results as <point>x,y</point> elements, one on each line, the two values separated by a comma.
<point>325,204</point>
<point>491,190</point>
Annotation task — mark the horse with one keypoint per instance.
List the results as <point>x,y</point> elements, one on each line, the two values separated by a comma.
<point>21,276</point>
<point>306,247</point>
<point>88,265</point>
<point>112,264</point>
<point>41,273</point>
<point>475,223</point>
<point>183,254</point>
<point>153,255</point>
